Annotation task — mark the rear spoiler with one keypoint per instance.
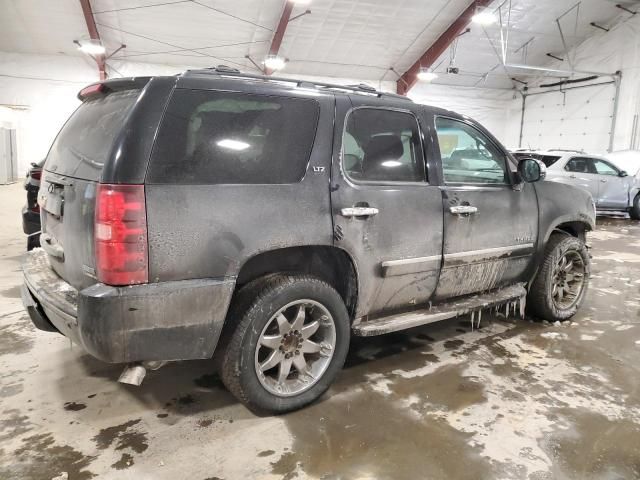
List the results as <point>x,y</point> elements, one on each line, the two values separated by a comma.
<point>110,86</point>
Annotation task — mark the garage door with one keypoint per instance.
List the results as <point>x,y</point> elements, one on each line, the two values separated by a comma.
<point>577,118</point>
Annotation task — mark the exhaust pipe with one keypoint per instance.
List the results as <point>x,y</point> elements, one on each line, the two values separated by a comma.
<point>134,373</point>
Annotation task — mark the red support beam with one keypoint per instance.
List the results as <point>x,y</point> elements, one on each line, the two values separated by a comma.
<point>437,48</point>
<point>279,34</point>
<point>94,35</point>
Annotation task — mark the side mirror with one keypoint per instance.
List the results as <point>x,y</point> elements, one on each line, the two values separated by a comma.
<point>531,170</point>
<point>623,174</point>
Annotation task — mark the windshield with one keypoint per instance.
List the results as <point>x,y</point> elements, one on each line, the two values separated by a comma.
<point>84,142</point>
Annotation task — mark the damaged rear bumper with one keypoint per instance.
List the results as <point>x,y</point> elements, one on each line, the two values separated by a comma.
<point>160,321</point>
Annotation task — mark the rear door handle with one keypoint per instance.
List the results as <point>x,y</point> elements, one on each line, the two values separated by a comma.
<point>463,210</point>
<point>603,181</point>
<point>572,176</point>
<point>359,212</point>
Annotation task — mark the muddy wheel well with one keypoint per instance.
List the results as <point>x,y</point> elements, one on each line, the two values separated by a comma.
<point>330,264</point>
<point>575,229</point>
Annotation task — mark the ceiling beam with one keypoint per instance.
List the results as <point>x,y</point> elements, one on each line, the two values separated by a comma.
<point>409,78</point>
<point>94,35</point>
<point>279,33</point>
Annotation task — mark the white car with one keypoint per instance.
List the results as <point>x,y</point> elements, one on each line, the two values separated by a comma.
<point>606,178</point>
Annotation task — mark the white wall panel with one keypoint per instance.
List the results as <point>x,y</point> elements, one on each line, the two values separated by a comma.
<point>575,119</point>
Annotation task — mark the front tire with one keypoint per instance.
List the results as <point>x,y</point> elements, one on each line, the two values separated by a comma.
<point>291,341</point>
<point>562,281</point>
<point>634,212</point>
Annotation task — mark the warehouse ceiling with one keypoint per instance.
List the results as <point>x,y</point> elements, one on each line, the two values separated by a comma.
<point>360,39</point>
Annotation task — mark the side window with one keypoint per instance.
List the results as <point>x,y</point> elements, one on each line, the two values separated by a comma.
<point>603,168</point>
<point>382,146</point>
<point>213,137</point>
<point>549,160</point>
<point>580,165</point>
<point>468,156</point>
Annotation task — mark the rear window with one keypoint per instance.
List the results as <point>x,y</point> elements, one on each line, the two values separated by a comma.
<point>85,141</point>
<point>549,160</point>
<point>211,137</point>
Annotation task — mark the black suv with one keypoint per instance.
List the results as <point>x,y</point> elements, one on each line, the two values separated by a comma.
<point>269,219</point>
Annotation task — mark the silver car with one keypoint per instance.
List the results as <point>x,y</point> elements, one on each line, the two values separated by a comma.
<point>612,187</point>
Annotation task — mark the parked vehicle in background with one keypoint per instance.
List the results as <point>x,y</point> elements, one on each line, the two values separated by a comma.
<point>31,211</point>
<point>612,187</point>
<point>269,220</point>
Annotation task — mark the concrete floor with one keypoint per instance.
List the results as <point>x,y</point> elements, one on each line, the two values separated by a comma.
<point>514,399</point>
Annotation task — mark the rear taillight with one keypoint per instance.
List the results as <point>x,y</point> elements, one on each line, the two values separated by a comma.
<point>121,235</point>
<point>36,174</point>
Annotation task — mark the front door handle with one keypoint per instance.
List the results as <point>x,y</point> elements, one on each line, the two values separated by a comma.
<point>463,210</point>
<point>603,181</point>
<point>572,176</point>
<point>359,212</point>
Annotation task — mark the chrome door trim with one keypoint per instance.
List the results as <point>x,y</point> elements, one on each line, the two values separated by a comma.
<point>410,265</point>
<point>487,254</point>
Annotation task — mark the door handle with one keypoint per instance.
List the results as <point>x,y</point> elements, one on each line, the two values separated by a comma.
<point>572,176</point>
<point>359,212</point>
<point>463,210</point>
<point>603,181</point>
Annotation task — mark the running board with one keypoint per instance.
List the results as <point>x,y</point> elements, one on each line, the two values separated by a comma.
<point>514,297</point>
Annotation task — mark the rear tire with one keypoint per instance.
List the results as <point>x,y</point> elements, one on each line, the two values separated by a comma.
<point>290,343</point>
<point>562,281</point>
<point>33,241</point>
<point>634,213</point>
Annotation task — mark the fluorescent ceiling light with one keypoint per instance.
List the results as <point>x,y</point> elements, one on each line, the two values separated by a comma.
<point>391,163</point>
<point>233,144</point>
<point>273,62</point>
<point>426,75</point>
<point>485,17</point>
<point>91,47</point>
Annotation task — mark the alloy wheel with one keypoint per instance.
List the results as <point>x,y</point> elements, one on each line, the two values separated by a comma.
<point>295,348</point>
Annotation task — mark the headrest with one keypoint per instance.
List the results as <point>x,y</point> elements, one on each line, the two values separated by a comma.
<point>383,147</point>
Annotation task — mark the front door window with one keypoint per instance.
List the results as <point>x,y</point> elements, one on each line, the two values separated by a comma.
<point>468,156</point>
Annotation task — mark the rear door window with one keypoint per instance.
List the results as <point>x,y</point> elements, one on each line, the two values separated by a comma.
<point>213,137</point>
<point>549,160</point>
<point>86,140</point>
<point>580,165</point>
<point>381,145</point>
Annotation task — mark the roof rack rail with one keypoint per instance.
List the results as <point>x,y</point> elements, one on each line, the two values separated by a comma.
<point>225,71</point>
<point>565,150</point>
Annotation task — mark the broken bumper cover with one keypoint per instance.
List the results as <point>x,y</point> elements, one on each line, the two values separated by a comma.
<point>161,321</point>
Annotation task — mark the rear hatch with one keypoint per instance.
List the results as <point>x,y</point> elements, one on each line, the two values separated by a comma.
<point>72,170</point>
